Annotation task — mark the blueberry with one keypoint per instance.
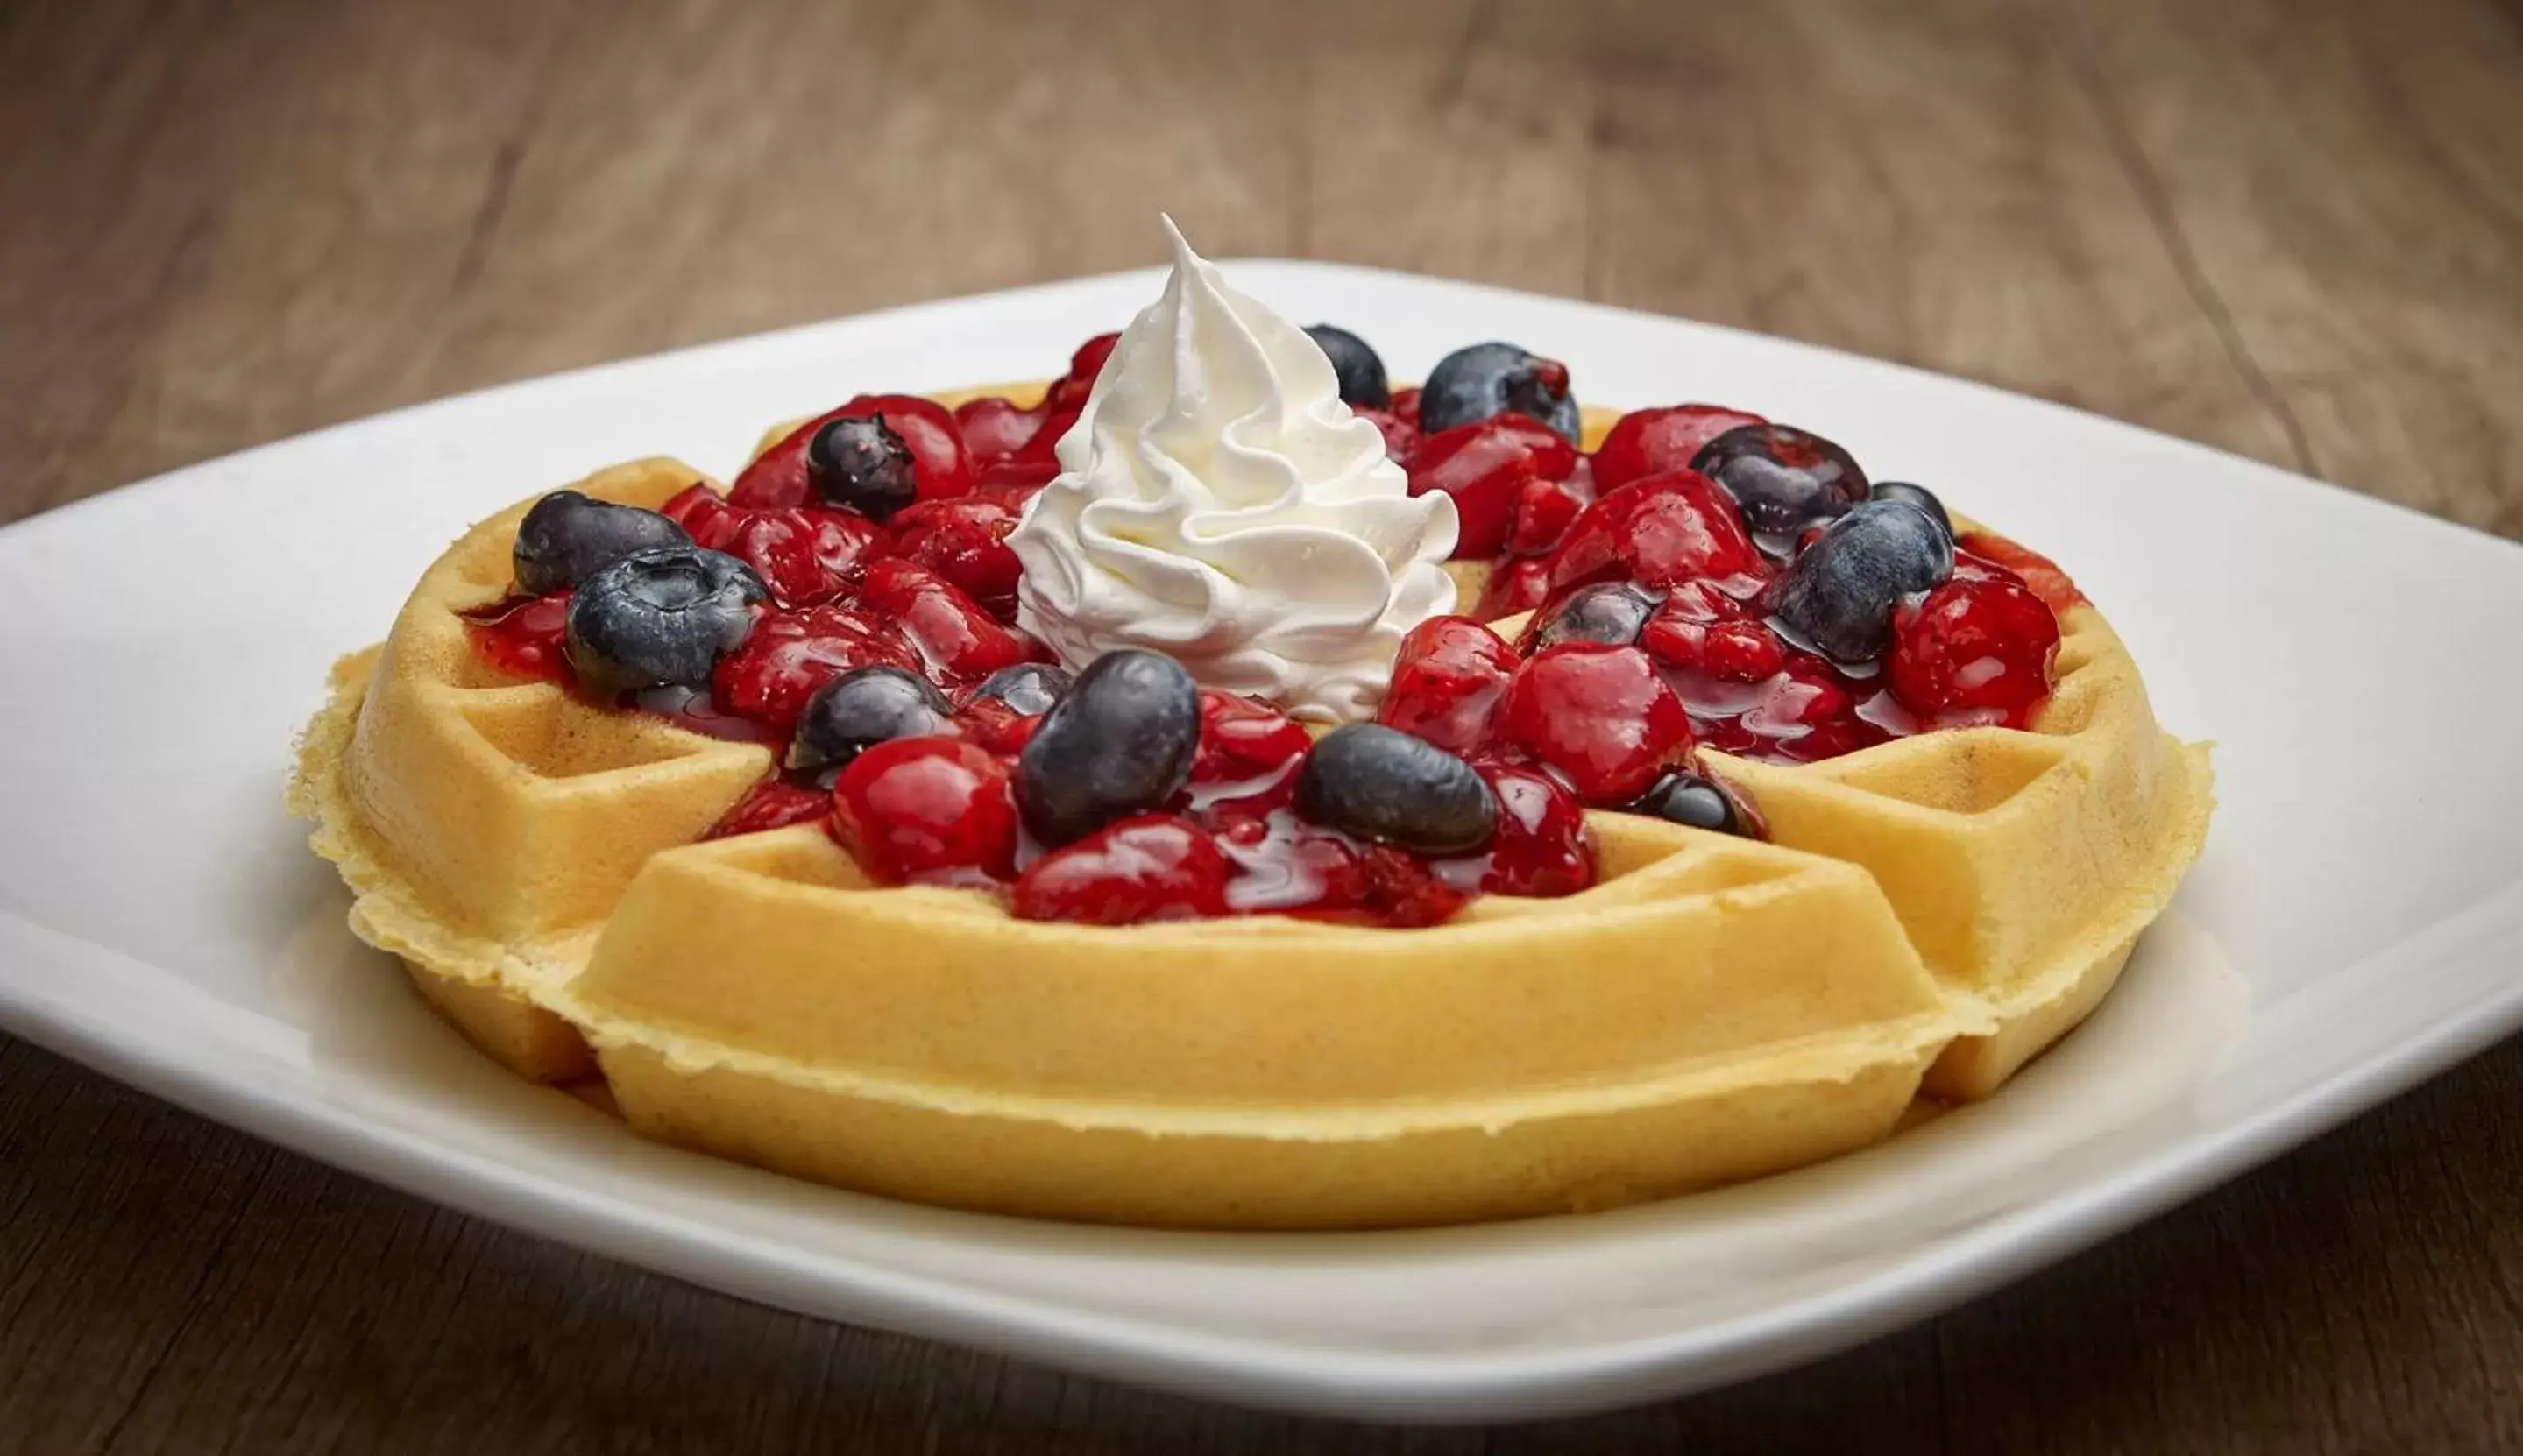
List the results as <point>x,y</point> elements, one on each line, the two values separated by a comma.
<point>1838,593</point>
<point>1121,743</point>
<point>1470,385</point>
<point>1028,687</point>
<point>1612,612</point>
<point>1362,384</point>
<point>568,536</point>
<point>861,707</point>
<point>862,465</point>
<point>1382,783</point>
<point>1689,799</point>
<point>1919,496</point>
<point>1783,479</point>
<point>659,616</point>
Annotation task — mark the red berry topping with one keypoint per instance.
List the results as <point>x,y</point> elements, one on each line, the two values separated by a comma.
<point>773,803</point>
<point>1973,650</point>
<point>1702,629</point>
<point>778,476</point>
<point>1247,762</point>
<point>1543,511</point>
<point>1598,714</point>
<point>1485,467</point>
<point>843,541</point>
<point>700,511</point>
<point>1156,867</point>
<point>805,554</point>
<point>1516,585</point>
<point>781,549</point>
<point>1541,847</point>
<point>2036,571</point>
<point>1285,866</point>
<point>1242,737</point>
<point>996,726</point>
<point>966,542</point>
<point>930,811</point>
<point>1404,891</point>
<point>1034,462</point>
<point>1651,442</point>
<point>1070,390</point>
<point>928,429</point>
<point>523,634</point>
<point>1400,431</point>
<point>994,427</point>
<point>1449,678</point>
<point>1659,532</point>
<point>790,654</point>
<point>1405,403</point>
<point>958,642</point>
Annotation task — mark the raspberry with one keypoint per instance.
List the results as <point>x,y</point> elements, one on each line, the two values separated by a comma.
<point>1659,532</point>
<point>927,811</point>
<point>994,428</point>
<point>958,642</point>
<point>1485,467</point>
<point>790,654</point>
<point>1070,390</point>
<point>1651,442</point>
<point>1541,847</point>
<point>1242,737</point>
<point>1156,867</point>
<point>1517,584</point>
<point>966,542</point>
<point>1400,432</point>
<point>1448,679</point>
<point>1701,628</point>
<point>1599,716</point>
<point>1543,510</point>
<point>1973,650</point>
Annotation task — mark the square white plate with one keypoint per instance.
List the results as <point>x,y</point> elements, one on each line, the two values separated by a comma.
<point>2353,927</point>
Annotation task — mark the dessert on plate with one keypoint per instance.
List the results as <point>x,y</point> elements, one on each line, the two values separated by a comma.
<point>1220,788</point>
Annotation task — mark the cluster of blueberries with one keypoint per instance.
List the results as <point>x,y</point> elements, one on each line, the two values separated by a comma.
<point>651,609</point>
<point>1474,383</point>
<point>1121,742</point>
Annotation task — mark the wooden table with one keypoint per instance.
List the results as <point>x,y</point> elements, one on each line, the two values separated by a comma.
<point>2291,229</point>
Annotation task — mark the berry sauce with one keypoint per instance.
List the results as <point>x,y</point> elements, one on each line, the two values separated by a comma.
<point>1651,642</point>
<point>522,635</point>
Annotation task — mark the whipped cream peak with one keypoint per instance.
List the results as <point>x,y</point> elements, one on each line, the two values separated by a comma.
<point>1217,502</point>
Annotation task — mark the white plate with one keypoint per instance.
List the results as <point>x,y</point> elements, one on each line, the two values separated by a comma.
<point>2351,928</point>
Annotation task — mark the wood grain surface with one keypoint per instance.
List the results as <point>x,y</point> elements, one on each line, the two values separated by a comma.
<point>2291,228</point>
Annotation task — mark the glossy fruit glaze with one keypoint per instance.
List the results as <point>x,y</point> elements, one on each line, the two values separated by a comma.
<point>1553,722</point>
<point>1709,666</point>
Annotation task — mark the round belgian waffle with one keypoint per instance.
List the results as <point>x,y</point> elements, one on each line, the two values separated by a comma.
<point>1937,907</point>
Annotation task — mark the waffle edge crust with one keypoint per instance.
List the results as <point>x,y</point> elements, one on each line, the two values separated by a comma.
<point>1931,914</point>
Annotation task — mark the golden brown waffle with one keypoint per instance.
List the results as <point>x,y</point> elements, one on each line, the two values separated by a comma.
<point>2022,863</point>
<point>1713,1009</point>
<point>476,816</point>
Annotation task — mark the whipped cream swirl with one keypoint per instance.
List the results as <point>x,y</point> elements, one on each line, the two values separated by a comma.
<point>1219,502</point>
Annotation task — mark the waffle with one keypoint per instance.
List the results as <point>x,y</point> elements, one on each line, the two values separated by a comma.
<point>1931,912</point>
